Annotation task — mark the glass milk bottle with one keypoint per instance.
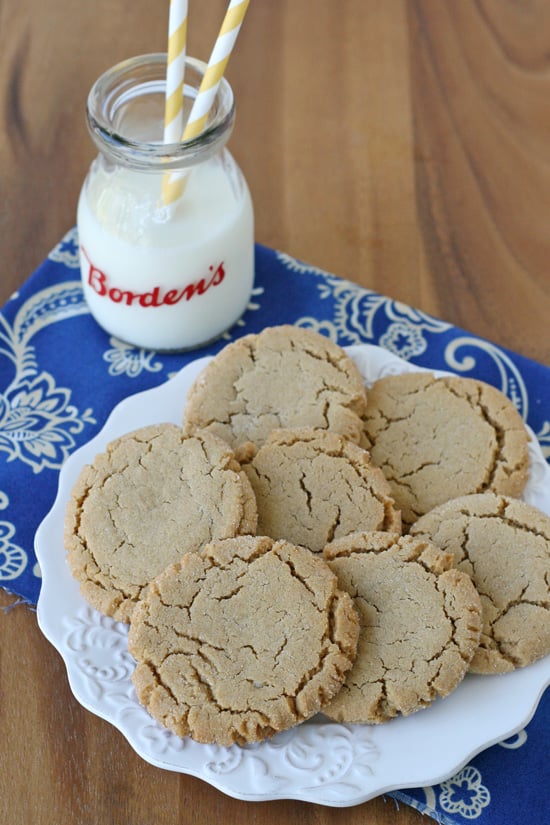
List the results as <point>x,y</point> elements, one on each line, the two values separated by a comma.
<point>164,277</point>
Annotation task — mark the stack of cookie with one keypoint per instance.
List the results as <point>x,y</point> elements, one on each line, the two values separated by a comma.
<point>258,550</point>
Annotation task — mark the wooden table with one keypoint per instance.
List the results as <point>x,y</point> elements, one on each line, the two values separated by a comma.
<point>403,145</point>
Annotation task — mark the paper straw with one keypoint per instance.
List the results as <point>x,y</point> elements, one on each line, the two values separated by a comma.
<point>175,70</point>
<point>209,87</point>
<point>175,73</point>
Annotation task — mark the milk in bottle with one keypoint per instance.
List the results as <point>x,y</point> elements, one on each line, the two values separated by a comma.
<point>164,277</point>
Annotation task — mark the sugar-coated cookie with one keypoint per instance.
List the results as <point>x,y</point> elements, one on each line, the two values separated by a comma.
<point>247,638</point>
<point>284,376</point>
<point>153,495</point>
<point>313,486</point>
<point>420,622</point>
<point>439,438</point>
<point>504,545</point>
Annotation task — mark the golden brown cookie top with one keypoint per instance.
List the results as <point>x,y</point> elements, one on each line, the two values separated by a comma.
<point>420,622</point>
<point>313,486</point>
<point>247,638</point>
<point>153,495</point>
<point>504,545</point>
<point>439,438</point>
<point>284,376</point>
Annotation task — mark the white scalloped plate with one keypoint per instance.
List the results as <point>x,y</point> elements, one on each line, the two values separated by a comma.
<point>319,761</point>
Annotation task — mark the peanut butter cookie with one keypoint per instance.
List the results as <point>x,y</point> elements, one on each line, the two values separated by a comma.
<point>439,438</point>
<point>247,638</point>
<point>153,495</point>
<point>419,619</point>
<point>284,376</point>
<point>504,545</point>
<point>313,486</point>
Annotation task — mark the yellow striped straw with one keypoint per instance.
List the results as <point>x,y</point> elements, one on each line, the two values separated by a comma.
<point>209,87</point>
<point>175,70</point>
<point>175,73</point>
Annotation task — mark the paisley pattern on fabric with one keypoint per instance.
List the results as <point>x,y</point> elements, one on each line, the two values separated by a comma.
<point>37,420</point>
<point>61,375</point>
<point>126,359</point>
<point>355,319</point>
<point>13,559</point>
<point>67,252</point>
<point>464,794</point>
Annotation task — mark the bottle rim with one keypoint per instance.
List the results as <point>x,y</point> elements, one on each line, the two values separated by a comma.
<point>144,75</point>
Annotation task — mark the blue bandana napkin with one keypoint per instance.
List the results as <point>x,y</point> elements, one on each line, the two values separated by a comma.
<point>61,375</point>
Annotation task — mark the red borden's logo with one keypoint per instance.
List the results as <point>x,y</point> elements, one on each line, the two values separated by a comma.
<point>157,296</point>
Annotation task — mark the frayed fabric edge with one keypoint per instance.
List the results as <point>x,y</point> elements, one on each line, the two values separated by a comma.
<point>421,807</point>
<point>19,600</point>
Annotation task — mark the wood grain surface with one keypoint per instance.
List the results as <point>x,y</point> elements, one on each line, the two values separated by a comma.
<point>403,145</point>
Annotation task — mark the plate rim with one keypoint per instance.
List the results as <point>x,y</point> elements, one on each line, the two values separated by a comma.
<point>48,531</point>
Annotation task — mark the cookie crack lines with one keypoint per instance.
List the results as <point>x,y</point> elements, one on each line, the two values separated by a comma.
<point>251,635</point>
<point>528,530</point>
<point>503,544</point>
<point>312,485</point>
<point>305,489</point>
<point>333,528</point>
<point>413,613</point>
<point>336,359</point>
<point>439,438</point>
<point>498,458</point>
<point>302,579</point>
<point>493,414</point>
<point>325,606</point>
<point>290,381</point>
<point>157,681</point>
<point>466,622</point>
<point>153,495</point>
<point>324,411</point>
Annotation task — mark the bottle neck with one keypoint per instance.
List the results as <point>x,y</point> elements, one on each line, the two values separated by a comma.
<point>125,115</point>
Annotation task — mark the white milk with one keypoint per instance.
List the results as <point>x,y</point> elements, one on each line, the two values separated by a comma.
<point>166,278</point>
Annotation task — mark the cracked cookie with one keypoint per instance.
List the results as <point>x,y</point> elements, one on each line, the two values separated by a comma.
<point>504,545</point>
<point>284,376</point>
<point>246,638</point>
<point>312,486</point>
<point>419,619</point>
<point>150,497</point>
<point>439,438</point>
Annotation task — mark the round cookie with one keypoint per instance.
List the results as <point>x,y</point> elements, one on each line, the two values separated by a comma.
<point>284,376</point>
<point>153,495</point>
<point>439,438</point>
<point>504,545</point>
<point>420,622</point>
<point>247,638</point>
<point>312,486</point>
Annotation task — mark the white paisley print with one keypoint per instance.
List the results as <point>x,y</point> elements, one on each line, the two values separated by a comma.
<point>464,794</point>
<point>13,559</point>
<point>355,312</point>
<point>37,420</point>
<point>66,252</point>
<point>125,359</point>
<point>358,313</point>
